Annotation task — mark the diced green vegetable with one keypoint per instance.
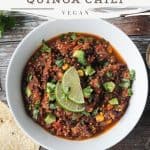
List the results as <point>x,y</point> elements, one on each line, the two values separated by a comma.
<point>29,77</point>
<point>35,113</point>
<point>50,118</point>
<point>130,93</point>
<point>125,83</point>
<point>114,101</point>
<point>50,89</point>
<point>95,111</point>
<point>28,92</point>
<point>52,96</point>
<point>73,36</point>
<point>132,75</point>
<point>51,86</point>
<point>52,106</point>
<point>36,110</point>
<point>89,71</point>
<point>109,86</point>
<point>80,55</point>
<point>87,91</point>
<point>109,74</point>
<point>59,62</point>
<point>45,47</point>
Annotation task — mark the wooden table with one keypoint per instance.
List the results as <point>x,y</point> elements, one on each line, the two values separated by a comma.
<point>138,29</point>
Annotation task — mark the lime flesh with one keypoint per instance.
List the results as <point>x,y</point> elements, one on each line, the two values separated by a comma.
<point>64,102</point>
<point>72,87</point>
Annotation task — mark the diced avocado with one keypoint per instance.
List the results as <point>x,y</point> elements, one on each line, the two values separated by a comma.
<point>87,91</point>
<point>89,71</point>
<point>125,83</point>
<point>50,118</point>
<point>109,86</point>
<point>28,92</point>
<point>51,86</point>
<point>52,106</point>
<point>130,92</point>
<point>132,74</point>
<point>73,36</point>
<point>29,77</point>
<point>114,101</point>
<point>80,55</point>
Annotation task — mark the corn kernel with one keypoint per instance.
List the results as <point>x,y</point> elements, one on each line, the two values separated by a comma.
<point>81,73</point>
<point>100,117</point>
<point>65,66</point>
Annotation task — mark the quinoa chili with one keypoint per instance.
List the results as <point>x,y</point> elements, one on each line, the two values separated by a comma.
<point>76,85</point>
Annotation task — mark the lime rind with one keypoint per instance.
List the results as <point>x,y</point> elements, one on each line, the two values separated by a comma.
<point>71,86</point>
<point>64,102</point>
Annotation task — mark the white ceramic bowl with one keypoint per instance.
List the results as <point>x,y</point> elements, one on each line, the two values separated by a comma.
<point>94,26</point>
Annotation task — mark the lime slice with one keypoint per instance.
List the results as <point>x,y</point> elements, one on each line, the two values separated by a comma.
<point>64,102</point>
<point>71,86</point>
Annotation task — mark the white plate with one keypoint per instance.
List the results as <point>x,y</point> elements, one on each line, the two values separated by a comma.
<point>94,26</point>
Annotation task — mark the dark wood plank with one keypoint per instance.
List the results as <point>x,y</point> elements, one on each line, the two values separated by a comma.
<point>136,25</point>
<point>139,138</point>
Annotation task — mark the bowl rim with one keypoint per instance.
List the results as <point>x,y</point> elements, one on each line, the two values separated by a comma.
<point>18,48</point>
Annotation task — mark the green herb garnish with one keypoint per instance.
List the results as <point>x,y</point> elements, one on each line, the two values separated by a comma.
<point>95,111</point>
<point>109,74</point>
<point>59,62</point>
<point>45,47</point>
<point>86,113</point>
<point>50,89</point>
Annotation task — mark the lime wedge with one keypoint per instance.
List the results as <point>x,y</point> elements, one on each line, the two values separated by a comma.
<point>64,102</point>
<point>71,86</point>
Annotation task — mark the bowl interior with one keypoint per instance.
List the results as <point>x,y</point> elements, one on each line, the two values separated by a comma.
<point>94,26</point>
